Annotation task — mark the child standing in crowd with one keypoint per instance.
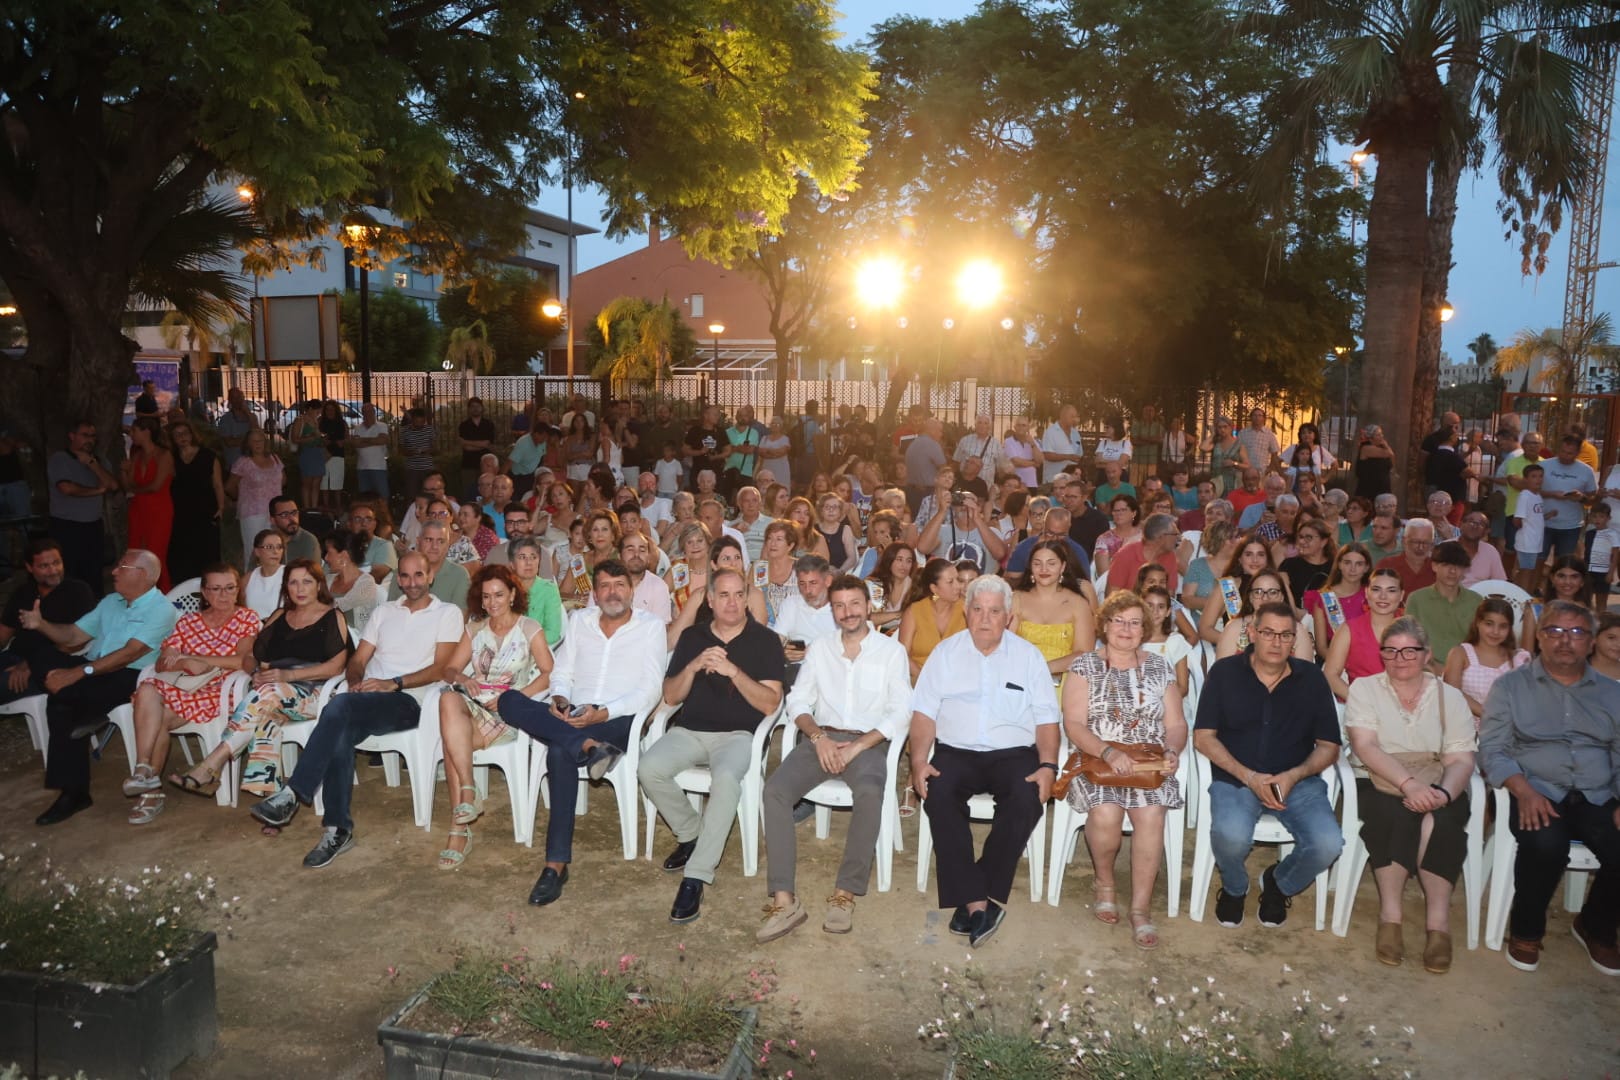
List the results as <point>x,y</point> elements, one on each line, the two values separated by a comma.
<point>1530,521</point>
<point>669,472</point>
<point>1598,543</point>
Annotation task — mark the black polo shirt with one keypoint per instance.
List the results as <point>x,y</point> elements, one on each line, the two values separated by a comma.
<point>1086,527</point>
<point>1268,731</point>
<point>67,603</point>
<point>715,703</point>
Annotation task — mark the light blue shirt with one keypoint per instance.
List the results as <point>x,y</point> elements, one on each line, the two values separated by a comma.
<point>115,622</point>
<point>981,702</point>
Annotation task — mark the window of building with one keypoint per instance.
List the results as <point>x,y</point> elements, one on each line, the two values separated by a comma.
<point>402,279</point>
<point>697,305</point>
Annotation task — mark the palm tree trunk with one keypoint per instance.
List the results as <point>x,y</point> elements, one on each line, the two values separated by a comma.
<point>1397,249</point>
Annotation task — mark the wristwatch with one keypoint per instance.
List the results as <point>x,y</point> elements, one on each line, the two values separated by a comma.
<point>399,683</point>
<point>1048,765</point>
<point>89,669</point>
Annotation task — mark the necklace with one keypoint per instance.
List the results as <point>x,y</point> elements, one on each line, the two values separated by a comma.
<point>1271,681</point>
<point>1133,679</point>
<point>1409,703</point>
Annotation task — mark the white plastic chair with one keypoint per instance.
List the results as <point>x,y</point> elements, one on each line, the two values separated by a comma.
<point>1268,830</point>
<point>622,776</point>
<point>1503,849</point>
<point>32,710</point>
<point>1510,592</point>
<point>696,781</point>
<point>207,732</point>
<point>983,808</point>
<point>834,792</point>
<point>1348,872</point>
<point>511,757</point>
<point>414,747</point>
<point>1067,822</point>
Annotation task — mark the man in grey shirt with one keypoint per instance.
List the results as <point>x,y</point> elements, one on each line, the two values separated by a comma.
<point>1551,736</point>
<point>233,427</point>
<point>924,456</point>
<point>78,480</point>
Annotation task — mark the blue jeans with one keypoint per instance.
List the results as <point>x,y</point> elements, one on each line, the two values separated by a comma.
<point>328,759</point>
<point>563,759</point>
<point>374,481</point>
<point>1308,815</point>
<point>16,501</point>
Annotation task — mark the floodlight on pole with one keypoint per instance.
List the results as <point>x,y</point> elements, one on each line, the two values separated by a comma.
<point>879,282</point>
<point>551,309</point>
<point>979,284</point>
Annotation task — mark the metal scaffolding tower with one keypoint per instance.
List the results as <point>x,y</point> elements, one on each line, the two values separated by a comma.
<point>1586,214</point>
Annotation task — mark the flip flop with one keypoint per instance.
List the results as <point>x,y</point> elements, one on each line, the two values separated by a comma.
<point>192,786</point>
<point>1106,911</point>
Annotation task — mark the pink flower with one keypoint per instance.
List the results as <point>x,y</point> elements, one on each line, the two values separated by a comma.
<point>617,1060</point>
<point>601,1024</point>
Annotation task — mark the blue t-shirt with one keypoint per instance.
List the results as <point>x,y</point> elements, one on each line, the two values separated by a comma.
<point>115,622</point>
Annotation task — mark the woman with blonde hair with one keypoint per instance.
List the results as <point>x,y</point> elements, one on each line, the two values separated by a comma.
<point>688,573</point>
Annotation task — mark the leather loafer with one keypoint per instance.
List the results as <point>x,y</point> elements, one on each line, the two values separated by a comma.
<point>549,887</point>
<point>688,899</point>
<point>1389,946</point>
<point>961,922</point>
<point>66,805</point>
<point>677,858</point>
<point>600,761</point>
<point>1437,952</point>
<point>984,924</point>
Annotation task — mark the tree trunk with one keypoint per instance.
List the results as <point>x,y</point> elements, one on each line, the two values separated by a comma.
<point>1397,248</point>
<point>784,357</point>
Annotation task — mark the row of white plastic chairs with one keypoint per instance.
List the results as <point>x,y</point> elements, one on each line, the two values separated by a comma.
<point>524,765</point>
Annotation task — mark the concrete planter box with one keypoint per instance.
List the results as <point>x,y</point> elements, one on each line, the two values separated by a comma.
<point>409,1054</point>
<point>55,1026</point>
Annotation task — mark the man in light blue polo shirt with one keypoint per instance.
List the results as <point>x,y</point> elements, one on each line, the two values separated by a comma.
<point>119,638</point>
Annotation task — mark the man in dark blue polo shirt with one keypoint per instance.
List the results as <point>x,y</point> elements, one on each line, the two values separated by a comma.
<point>1267,724</point>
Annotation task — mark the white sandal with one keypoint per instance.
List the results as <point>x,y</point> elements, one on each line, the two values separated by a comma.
<point>141,781</point>
<point>147,807</point>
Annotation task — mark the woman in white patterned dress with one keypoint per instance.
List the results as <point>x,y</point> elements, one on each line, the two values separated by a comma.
<point>1123,693</point>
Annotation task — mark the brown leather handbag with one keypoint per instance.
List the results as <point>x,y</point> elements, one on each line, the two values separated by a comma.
<point>1147,768</point>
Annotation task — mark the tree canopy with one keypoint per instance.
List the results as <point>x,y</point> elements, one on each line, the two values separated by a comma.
<point>509,308</point>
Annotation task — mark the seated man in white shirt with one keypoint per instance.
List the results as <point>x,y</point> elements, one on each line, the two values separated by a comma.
<point>986,696</point>
<point>806,615</point>
<point>850,700</point>
<point>405,646</point>
<point>608,669</point>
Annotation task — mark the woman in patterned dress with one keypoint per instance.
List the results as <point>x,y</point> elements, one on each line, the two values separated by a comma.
<point>502,649</point>
<point>218,638</point>
<point>1124,693</point>
<point>777,557</point>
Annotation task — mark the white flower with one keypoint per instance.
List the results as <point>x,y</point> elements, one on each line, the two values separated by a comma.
<point>161,919</point>
<point>1286,970</point>
<point>1343,999</point>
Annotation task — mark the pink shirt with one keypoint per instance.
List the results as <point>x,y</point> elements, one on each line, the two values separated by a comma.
<point>1487,566</point>
<point>258,486</point>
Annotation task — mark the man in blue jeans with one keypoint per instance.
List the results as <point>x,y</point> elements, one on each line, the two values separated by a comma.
<point>405,646</point>
<point>1267,724</point>
<point>609,668</point>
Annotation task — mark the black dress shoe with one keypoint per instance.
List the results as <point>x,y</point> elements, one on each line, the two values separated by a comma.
<point>985,924</point>
<point>677,858</point>
<point>549,887</point>
<point>961,922</point>
<point>66,805</point>
<point>688,898</point>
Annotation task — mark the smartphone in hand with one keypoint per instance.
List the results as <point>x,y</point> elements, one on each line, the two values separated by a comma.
<point>1276,790</point>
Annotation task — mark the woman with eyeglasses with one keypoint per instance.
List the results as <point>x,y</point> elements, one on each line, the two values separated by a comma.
<point>1565,581</point>
<point>1412,740</point>
<point>602,536</point>
<point>1485,655</point>
<point>529,559</point>
<point>1124,693</point>
<point>1127,526</point>
<point>1266,587</point>
<point>207,644</point>
<point>1353,653</point>
<point>261,590</point>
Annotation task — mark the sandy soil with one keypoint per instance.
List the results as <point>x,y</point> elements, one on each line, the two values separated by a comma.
<point>319,958</point>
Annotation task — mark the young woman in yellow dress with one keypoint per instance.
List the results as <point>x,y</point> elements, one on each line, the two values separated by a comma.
<point>1048,609</point>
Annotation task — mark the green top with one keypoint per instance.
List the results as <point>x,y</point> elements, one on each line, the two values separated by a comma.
<point>1105,493</point>
<point>545,608</point>
<point>450,584</point>
<point>1446,621</point>
<point>740,459</point>
<point>1147,438</point>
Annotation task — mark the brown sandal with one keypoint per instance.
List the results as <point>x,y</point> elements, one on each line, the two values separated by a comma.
<point>192,786</point>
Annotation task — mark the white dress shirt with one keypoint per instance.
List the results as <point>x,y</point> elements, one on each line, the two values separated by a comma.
<point>651,595</point>
<point>798,621</point>
<point>621,673</point>
<point>1055,440</point>
<point>872,692</point>
<point>980,702</point>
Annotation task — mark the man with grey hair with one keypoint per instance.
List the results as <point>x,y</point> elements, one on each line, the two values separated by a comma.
<point>448,581</point>
<point>1157,544</point>
<point>1387,504</point>
<point>1548,736</point>
<point>119,638</point>
<point>750,521</point>
<point>1273,487</point>
<point>1439,505</point>
<point>982,445</point>
<point>984,721</point>
<point>806,616</point>
<point>1412,561</point>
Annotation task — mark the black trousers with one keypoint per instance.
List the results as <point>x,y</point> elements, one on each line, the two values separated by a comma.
<point>39,664</point>
<point>68,763</point>
<point>963,774</point>
<point>81,551</point>
<point>1543,857</point>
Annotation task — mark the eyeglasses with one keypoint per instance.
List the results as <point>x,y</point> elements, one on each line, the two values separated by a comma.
<point>359,519</point>
<point>285,513</point>
<point>1276,635</point>
<point>1573,633</point>
<point>1266,592</point>
<point>1125,624</point>
<point>1406,652</point>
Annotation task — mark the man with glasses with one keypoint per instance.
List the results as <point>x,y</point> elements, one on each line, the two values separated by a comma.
<point>299,542</point>
<point>381,557</point>
<point>78,480</point>
<point>1549,736</point>
<point>519,523</point>
<point>415,514</point>
<point>1484,561</point>
<point>1267,724</point>
<point>448,581</point>
<point>119,638</point>
<point>1412,561</point>
<point>1445,609</point>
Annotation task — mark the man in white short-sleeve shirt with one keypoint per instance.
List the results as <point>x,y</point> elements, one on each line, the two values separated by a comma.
<point>402,652</point>
<point>1061,444</point>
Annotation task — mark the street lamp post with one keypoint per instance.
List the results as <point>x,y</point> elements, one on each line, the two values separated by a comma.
<point>716,329</point>
<point>359,237</point>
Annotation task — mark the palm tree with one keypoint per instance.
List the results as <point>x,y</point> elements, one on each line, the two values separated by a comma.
<point>640,339</point>
<point>1558,358</point>
<point>1483,349</point>
<point>1424,85</point>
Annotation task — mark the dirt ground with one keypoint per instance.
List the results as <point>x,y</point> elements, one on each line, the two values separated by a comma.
<point>319,958</point>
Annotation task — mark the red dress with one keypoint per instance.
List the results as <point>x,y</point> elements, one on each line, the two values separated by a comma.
<point>151,516</point>
<point>193,637</point>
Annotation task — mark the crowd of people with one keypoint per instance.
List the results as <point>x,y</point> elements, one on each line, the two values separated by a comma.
<point>989,601</point>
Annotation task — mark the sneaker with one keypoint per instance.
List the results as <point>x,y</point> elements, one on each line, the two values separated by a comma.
<point>142,781</point>
<point>1524,955</point>
<point>277,810</point>
<point>334,842</point>
<point>1228,909</point>
<point>1273,904</point>
<point>1606,958</point>
<point>781,920</point>
<point>840,917</point>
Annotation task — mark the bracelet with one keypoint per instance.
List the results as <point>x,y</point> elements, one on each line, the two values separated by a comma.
<point>817,735</point>
<point>1402,785</point>
<point>1048,765</point>
<point>1442,791</point>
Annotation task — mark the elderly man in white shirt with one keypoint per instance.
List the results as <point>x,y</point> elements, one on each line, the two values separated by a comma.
<point>980,443</point>
<point>850,700</point>
<point>609,668</point>
<point>1061,445</point>
<point>986,697</point>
